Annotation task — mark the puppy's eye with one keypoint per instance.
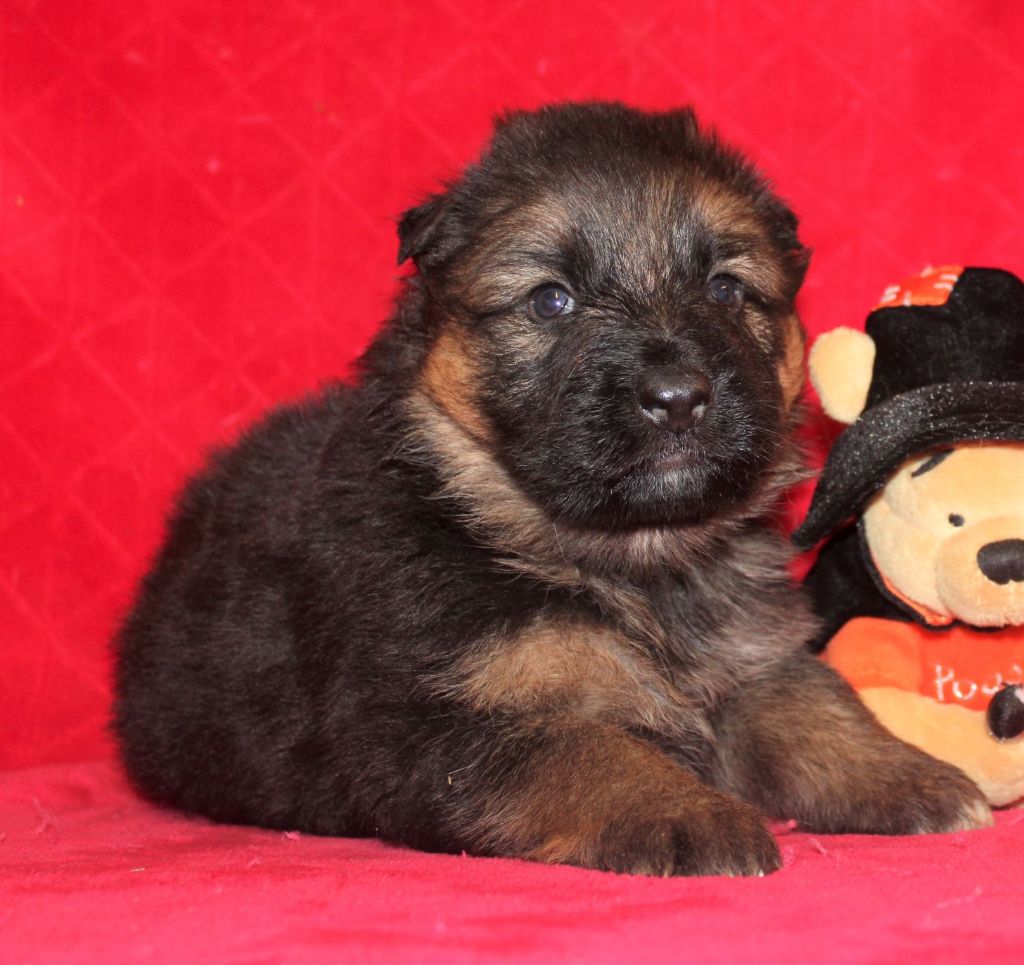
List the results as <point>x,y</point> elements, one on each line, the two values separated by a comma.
<point>726,290</point>
<point>550,301</point>
<point>956,519</point>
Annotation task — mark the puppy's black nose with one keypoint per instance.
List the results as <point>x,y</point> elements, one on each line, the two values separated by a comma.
<point>1002,561</point>
<point>674,399</point>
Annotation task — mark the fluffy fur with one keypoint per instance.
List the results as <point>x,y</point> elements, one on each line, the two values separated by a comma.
<point>477,600</point>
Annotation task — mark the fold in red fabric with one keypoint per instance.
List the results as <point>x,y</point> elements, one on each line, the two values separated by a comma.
<point>89,872</point>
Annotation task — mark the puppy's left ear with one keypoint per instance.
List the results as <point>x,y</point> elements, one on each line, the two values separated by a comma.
<point>428,233</point>
<point>797,256</point>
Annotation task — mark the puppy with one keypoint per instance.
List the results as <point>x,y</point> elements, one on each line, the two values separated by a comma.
<point>516,592</point>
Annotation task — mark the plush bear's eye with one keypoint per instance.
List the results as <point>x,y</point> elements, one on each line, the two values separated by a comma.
<point>935,459</point>
<point>956,519</point>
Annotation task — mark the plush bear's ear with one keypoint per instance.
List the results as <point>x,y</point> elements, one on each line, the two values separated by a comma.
<point>841,363</point>
<point>428,233</point>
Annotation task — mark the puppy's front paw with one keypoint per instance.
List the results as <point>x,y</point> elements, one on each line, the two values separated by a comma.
<point>909,793</point>
<point>722,837</point>
<point>939,798</point>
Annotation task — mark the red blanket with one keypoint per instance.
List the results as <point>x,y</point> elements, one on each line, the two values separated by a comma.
<point>88,872</point>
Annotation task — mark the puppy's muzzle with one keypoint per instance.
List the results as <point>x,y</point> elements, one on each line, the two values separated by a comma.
<point>675,400</point>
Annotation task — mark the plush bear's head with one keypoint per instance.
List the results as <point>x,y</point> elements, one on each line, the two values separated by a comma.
<point>940,362</point>
<point>947,533</point>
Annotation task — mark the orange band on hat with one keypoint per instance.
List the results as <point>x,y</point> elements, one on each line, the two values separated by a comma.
<point>932,286</point>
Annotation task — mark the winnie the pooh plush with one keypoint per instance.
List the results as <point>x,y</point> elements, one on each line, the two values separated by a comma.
<point>920,586</point>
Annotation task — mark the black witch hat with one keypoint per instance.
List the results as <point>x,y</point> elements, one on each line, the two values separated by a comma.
<point>942,374</point>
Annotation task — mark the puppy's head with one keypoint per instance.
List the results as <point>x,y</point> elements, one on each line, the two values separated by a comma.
<point>609,298</point>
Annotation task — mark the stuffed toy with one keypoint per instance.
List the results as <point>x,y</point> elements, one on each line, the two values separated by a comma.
<point>920,584</point>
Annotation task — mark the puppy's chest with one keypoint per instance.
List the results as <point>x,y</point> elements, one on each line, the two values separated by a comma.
<point>638,677</point>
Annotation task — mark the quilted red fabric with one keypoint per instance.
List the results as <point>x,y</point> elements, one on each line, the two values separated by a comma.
<point>197,203</point>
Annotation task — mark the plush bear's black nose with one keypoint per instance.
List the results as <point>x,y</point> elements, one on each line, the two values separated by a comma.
<point>1006,712</point>
<point>1002,561</point>
<point>674,399</point>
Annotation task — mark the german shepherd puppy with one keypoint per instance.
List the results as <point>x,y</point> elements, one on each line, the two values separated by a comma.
<point>517,591</point>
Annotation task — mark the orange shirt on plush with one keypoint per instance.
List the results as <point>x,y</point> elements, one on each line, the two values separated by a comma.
<point>959,665</point>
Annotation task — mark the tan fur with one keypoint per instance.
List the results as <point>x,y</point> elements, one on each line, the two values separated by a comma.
<point>580,842</point>
<point>717,206</point>
<point>589,777</point>
<point>620,776</point>
<point>592,670</point>
<point>449,376</point>
<point>493,502</point>
<point>601,798</point>
<point>791,368</point>
<point>574,666</point>
<point>729,214</point>
<point>503,267</point>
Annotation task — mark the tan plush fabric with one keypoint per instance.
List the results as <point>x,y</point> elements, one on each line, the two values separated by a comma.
<point>840,363</point>
<point>917,545</point>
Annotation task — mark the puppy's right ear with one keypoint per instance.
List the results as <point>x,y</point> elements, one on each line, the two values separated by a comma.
<point>427,232</point>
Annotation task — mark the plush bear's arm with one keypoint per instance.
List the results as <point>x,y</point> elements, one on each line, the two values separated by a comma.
<point>842,588</point>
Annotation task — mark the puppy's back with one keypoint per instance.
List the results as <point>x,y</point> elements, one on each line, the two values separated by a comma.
<point>208,697</point>
<point>272,668</point>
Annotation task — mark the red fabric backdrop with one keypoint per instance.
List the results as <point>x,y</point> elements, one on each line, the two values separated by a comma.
<point>197,204</point>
